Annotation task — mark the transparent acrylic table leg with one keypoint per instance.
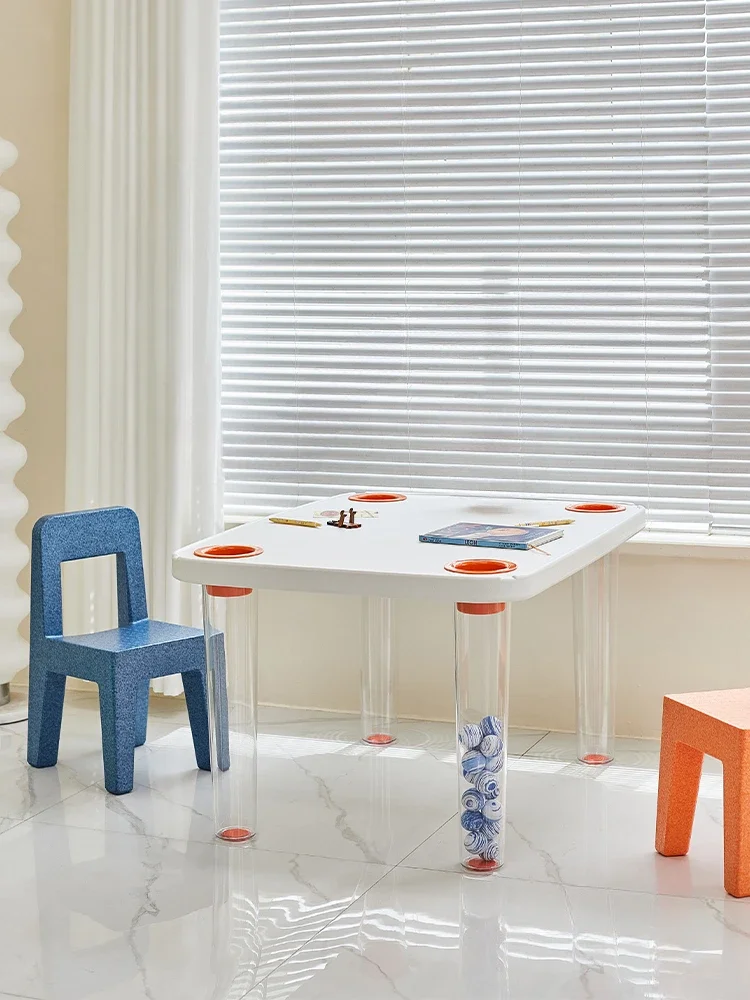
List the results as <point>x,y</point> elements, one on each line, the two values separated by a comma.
<point>378,680</point>
<point>482,634</point>
<point>230,617</point>
<point>594,621</point>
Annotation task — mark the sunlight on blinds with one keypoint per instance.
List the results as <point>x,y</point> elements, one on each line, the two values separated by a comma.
<point>488,246</point>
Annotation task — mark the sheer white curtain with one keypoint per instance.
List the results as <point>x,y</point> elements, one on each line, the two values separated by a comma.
<point>143,356</point>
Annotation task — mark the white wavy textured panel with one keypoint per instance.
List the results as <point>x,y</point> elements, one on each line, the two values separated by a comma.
<point>13,504</point>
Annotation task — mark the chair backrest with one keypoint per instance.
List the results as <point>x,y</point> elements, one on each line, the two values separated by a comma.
<point>84,534</point>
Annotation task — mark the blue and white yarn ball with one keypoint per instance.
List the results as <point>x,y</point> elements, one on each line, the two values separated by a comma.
<point>476,842</point>
<point>470,736</point>
<point>473,762</point>
<point>494,764</point>
<point>492,809</point>
<point>492,827</point>
<point>491,852</point>
<point>491,726</point>
<point>472,800</point>
<point>472,820</point>
<point>490,746</point>
<point>488,784</point>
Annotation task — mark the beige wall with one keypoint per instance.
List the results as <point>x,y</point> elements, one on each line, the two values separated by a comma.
<point>682,621</point>
<point>682,626</point>
<point>34,63</point>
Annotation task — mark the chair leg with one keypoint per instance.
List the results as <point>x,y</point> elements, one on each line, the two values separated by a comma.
<point>216,679</point>
<point>118,743</point>
<point>46,697</point>
<point>679,778</point>
<point>141,713</point>
<point>737,827</point>
<point>194,682</point>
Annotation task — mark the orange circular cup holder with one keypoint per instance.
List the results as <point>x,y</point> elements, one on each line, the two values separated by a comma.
<point>596,758</point>
<point>228,551</point>
<point>484,567</point>
<point>235,835</point>
<point>480,609</point>
<point>596,508</point>
<point>481,865</point>
<point>376,497</point>
<point>379,739</point>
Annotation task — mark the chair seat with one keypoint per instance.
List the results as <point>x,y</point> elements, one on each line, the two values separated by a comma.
<point>136,636</point>
<point>732,707</point>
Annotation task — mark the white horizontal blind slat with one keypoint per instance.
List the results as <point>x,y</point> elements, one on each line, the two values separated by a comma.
<point>488,246</point>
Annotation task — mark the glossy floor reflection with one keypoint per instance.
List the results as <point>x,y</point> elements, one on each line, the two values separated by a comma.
<point>351,891</point>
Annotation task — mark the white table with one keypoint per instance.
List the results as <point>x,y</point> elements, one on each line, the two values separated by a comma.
<point>384,560</point>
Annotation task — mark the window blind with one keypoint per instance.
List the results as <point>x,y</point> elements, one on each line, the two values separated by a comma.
<point>477,246</point>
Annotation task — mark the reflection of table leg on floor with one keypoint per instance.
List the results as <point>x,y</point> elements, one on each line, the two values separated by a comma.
<point>594,620</point>
<point>378,680</point>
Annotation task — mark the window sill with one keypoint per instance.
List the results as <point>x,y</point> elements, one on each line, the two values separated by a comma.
<point>687,546</point>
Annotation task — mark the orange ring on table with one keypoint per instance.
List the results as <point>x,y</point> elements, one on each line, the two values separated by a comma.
<point>376,497</point>
<point>596,508</point>
<point>486,567</point>
<point>228,552</point>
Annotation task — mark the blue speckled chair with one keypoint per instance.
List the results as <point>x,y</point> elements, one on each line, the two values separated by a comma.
<point>121,660</point>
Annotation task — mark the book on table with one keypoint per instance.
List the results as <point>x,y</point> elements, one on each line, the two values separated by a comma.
<point>493,536</point>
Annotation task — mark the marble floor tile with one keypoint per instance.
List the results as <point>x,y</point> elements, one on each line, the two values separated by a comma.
<point>80,751</point>
<point>93,914</point>
<point>437,738</point>
<point>312,798</point>
<point>25,791</point>
<point>130,898</point>
<point>568,825</point>
<point>629,752</point>
<point>435,936</point>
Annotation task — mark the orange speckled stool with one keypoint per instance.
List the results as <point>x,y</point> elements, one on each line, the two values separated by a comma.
<point>716,723</point>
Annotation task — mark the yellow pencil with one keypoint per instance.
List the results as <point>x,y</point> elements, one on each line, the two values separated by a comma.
<point>291,520</point>
<point>544,524</point>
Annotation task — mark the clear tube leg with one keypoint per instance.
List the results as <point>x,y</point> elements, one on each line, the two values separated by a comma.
<point>482,660</point>
<point>594,618</point>
<point>230,617</point>
<point>378,716</point>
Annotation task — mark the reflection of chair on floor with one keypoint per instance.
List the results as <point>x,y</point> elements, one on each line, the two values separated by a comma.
<point>716,723</point>
<point>122,661</point>
<point>125,886</point>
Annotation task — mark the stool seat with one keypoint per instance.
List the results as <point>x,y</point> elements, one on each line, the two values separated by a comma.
<point>716,723</point>
<point>731,707</point>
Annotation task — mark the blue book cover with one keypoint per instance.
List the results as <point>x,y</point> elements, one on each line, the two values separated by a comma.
<point>495,536</point>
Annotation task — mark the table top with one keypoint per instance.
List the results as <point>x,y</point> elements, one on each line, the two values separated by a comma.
<point>384,558</point>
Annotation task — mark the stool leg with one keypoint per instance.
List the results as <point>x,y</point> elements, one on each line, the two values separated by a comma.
<point>141,713</point>
<point>46,697</point>
<point>679,778</point>
<point>194,682</point>
<point>118,731</point>
<point>737,827</point>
